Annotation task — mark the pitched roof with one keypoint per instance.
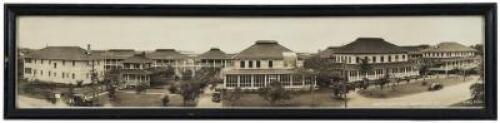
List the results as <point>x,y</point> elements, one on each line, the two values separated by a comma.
<point>61,53</point>
<point>369,46</point>
<point>263,49</point>
<point>414,48</point>
<point>449,47</point>
<point>138,58</point>
<point>328,51</point>
<point>119,53</point>
<point>166,54</point>
<point>214,53</point>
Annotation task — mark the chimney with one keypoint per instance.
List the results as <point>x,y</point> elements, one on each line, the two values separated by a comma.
<point>88,49</point>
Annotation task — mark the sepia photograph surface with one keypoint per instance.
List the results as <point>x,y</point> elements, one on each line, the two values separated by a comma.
<point>416,62</point>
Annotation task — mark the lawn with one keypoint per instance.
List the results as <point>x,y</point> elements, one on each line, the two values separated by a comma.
<point>144,100</point>
<point>321,98</point>
<point>404,88</point>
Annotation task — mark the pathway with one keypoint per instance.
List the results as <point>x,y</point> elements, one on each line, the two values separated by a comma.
<point>432,99</point>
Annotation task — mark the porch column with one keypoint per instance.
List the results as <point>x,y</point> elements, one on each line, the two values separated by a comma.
<point>290,79</point>
<point>265,80</point>
<point>252,80</point>
<point>225,81</point>
<point>238,85</point>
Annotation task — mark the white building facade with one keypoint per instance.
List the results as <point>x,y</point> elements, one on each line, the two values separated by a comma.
<point>265,62</point>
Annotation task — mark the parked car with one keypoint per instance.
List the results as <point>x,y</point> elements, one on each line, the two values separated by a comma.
<point>216,97</point>
<point>435,86</point>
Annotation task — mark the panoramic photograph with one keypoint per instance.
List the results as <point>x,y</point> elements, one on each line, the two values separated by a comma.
<point>416,62</point>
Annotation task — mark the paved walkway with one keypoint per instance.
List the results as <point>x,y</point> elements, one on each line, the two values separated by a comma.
<point>432,99</point>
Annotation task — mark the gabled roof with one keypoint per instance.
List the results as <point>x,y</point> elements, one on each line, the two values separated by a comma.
<point>369,46</point>
<point>119,53</point>
<point>214,53</point>
<point>170,54</point>
<point>449,47</point>
<point>138,58</point>
<point>263,49</point>
<point>60,53</point>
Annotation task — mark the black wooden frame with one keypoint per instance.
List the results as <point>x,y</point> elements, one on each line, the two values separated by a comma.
<point>487,10</point>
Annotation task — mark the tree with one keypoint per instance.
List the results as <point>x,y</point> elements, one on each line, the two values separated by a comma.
<point>141,88</point>
<point>425,68</point>
<point>233,96</point>
<point>477,93</point>
<point>207,76</point>
<point>274,93</point>
<point>112,80</point>
<point>160,75</point>
<point>189,91</point>
<point>324,69</point>
<point>365,67</point>
<point>301,75</point>
<point>384,81</point>
<point>165,100</point>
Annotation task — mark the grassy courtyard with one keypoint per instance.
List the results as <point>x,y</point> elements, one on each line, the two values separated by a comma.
<point>404,88</point>
<point>148,99</point>
<point>320,98</point>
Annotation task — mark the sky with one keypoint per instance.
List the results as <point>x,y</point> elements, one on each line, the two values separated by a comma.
<point>199,34</point>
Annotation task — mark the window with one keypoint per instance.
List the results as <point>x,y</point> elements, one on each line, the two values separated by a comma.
<point>390,59</point>
<point>297,80</point>
<point>404,56</point>
<point>232,81</point>
<point>55,65</point>
<point>270,64</point>
<point>73,62</point>
<point>379,71</point>
<point>381,58</point>
<point>27,70</point>
<point>34,71</point>
<point>41,61</point>
<point>250,64</point>
<point>349,60</point>
<point>55,74</point>
<point>73,76</point>
<point>62,74</point>
<point>374,59</point>
<point>41,72</point>
<point>353,73</point>
<point>245,80</point>
<point>242,64</point>
<point>358,60</point>
<point>27,60</point>
<point>285,79</point>
<point>50,73</point>
<point>136,66</point>
<point>397,58</point>
<point>259,80</point>
<point>257,64</point>
<point>63,62</point>
<point>309,80</point>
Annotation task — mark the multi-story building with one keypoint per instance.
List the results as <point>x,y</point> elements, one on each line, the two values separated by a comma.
<point>214,58</point>
<point>381,56</point>
<point>114,57</point>
<point>136,70</point>
<point>447,56</point>
<point>170,57</point>
<point>63,64</point>
<point>262,63</point>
